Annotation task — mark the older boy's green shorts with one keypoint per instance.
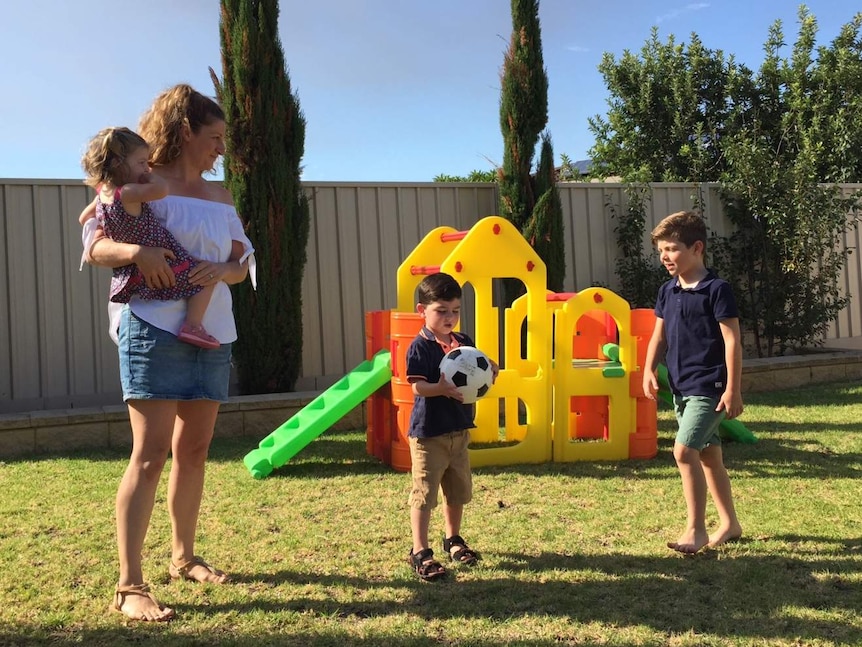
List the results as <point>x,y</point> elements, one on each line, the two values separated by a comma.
<point>441,461</point>
<point>698,420</point>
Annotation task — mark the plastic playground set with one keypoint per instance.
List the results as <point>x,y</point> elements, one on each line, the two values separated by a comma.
<point>570,383</point>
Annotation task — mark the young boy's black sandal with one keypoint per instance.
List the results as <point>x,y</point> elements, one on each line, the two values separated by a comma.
<point>464,555</point>
<point>425,566</point>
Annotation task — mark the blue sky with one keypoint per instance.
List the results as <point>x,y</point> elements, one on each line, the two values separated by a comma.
<point>391,90</point>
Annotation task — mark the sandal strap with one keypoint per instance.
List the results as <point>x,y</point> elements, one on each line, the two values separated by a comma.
<point>184,568</point>
<point>183,571</point>
<point>418,559</point>
<point>464,554</point>
<point>454,540</point>
<point>122,592</point>
<point>134,589</point>
<point>425,565</point>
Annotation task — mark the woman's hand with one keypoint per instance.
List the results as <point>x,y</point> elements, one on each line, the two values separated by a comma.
<point>209,272</point>
<point>151,261</point>
<point>153,264</point>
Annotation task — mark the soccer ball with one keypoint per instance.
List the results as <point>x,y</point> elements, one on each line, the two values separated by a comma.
<point>469,369</point>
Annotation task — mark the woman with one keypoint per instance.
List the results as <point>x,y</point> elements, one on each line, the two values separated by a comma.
<point>173,390</point>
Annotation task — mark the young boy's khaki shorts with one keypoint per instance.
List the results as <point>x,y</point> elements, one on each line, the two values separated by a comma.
<point>441,461</point>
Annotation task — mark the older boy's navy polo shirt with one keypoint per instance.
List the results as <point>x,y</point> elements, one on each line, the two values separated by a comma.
<point>695,357</point>
<point>441,415</point>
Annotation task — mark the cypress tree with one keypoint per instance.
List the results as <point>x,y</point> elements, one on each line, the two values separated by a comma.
<point>265,144</point>
<point>523,116</point>
<point>544,228</point>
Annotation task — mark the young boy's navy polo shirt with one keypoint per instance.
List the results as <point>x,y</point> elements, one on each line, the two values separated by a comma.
<point>695,356</point>
<point>440,415</point>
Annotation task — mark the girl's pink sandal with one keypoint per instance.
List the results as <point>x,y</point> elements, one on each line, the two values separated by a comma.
<point>197,336</point>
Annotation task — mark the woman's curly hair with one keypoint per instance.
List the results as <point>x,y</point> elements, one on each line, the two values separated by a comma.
<point>162,125</point>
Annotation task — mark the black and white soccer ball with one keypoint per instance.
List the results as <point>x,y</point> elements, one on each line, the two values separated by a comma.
<point>469,369</point>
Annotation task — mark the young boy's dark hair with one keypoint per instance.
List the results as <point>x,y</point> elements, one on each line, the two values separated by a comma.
<point>438,287</point>
<point>439,432</point>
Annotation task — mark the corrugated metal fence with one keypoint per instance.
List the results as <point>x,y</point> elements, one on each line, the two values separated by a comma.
<point>54,348</point>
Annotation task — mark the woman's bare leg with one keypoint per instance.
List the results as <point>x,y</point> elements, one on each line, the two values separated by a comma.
<point>152,424</point>
<point>193,432</point>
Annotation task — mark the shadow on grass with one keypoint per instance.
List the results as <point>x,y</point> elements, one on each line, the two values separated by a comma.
<point>838,545</point>
<point>670,594</point>
<point>158,636</point>
<point>717,594</point>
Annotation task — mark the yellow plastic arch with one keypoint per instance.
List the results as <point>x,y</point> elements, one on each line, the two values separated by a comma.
<point>494,249</point>
<point>534,384</point>
<point>570,381</point>
<point>431,251</point>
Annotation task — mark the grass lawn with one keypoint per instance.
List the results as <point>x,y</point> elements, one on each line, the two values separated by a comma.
<point>574,554</point>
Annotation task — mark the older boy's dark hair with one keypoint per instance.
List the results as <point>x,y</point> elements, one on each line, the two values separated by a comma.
<point>438,287</point>
<point>686,227</point>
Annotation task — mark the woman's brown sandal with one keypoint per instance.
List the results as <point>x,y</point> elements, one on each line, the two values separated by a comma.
<point>182,572</point>
<point>142,590</point>
<point>425,566</point>
<point>464,555</point>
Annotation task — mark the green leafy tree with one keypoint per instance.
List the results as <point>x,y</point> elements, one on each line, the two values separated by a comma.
<point>669,108</point>
<point>523,116</point>
<point>685,113</point>
<point>265,144</point>
<point>834,112</point>
<point>786,254</point>
<point>673,107</point>
<point>474,176</point>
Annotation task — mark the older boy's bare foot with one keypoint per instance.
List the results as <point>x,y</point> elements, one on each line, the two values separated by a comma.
<point>725,535</point>
<point>137,603</point>
<point>690,542</point>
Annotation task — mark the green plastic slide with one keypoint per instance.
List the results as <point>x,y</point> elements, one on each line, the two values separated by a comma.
<point>729,429</point>
<point>319,415</point>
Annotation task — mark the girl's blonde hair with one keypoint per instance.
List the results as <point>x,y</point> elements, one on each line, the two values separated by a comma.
<point>175,108</point>
<point>105,159</point>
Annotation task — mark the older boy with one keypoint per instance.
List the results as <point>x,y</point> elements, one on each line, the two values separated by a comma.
<point>697,325</point>
<point>439,429</point>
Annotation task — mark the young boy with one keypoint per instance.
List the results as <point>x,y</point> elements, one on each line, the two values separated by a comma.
<point>439,429</point>
<point>697,324</point>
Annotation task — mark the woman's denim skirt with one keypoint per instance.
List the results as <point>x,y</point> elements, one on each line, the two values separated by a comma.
<point>155,365</point>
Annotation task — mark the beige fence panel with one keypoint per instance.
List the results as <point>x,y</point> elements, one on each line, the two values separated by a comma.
<point>590,246</point>
<point>589,214</point>
<point>54,347</point>
<point>52,352</point>
<point>55,351</point>
<point>848,325</point>
<point>360,234</point>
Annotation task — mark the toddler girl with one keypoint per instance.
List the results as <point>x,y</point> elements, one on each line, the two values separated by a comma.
<point>117,166</point>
